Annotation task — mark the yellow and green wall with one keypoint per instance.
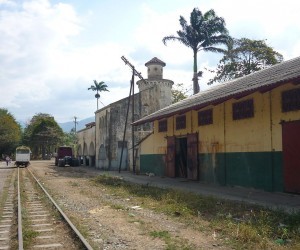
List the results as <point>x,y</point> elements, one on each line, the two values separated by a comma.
<point>246,152</point>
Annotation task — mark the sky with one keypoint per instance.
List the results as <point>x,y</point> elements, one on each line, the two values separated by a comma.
<point>51,50</point>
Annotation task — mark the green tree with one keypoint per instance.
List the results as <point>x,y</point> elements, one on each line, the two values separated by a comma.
<point>204,32</point>
<point>70,138</point>
<point>179,93</point>
<point>10,132</point>
<point>43,134</point>
<point>99,87</point>
<point>243,57</point>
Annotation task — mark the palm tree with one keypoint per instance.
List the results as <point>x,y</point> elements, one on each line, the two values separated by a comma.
<point>99,87</point>
<point>203,33</point>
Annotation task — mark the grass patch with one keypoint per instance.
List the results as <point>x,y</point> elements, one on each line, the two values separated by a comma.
<point>84,230</point>
<point>140,222</point>
<point>171,244</point>
<point>4,194</point>
<point>11,181</point>
<point>160,234</point>
<point>117,206</point>
<point>74,184</point>
<point>243,225</point>
<point>28,234</point>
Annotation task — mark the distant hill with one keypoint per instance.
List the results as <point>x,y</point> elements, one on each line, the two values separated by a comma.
<point>67,126</point>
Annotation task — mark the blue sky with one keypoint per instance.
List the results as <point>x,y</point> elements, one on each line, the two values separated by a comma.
<point>51,51</point>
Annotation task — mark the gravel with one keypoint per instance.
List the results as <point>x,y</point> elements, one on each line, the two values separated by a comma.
<point>111,222</point>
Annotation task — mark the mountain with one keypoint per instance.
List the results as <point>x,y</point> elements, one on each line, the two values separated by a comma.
<point>67,126</point>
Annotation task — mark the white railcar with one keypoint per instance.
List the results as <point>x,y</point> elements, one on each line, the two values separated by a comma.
<point>22,156</point>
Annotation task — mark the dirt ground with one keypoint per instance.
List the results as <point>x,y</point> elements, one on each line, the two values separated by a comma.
<point>101,217</point>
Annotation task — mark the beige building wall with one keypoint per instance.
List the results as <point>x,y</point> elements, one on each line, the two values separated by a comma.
<point>261,133</point>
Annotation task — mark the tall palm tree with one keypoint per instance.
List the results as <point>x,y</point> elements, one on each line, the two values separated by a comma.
<point>99,87</point>
<point>203,33</point>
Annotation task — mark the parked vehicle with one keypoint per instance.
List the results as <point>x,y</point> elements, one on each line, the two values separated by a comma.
<point>64,156</point>
<point>22,156</point>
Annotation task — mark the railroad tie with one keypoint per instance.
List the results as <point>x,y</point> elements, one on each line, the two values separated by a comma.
<point>48,245</point>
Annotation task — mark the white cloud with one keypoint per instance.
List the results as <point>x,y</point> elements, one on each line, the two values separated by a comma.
<point>151,30</point>
<point>7,3</point>
<point>31,33</point>
<point>51,53</point>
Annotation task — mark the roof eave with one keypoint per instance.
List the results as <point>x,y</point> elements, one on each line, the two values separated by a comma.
<point>236,96</point>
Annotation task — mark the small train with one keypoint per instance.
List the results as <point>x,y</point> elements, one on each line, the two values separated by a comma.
<point>22,156</point>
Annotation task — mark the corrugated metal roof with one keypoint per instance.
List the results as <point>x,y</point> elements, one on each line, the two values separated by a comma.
<point>263,80</point>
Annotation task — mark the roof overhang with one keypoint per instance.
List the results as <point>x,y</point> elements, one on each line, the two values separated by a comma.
<point>217,101</point>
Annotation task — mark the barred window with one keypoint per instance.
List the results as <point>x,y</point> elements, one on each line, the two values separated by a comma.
<point>163,126</point>
<point>290,100</point>
<point>243,109</point>
<point>205,117</point>
<point>180,122</point>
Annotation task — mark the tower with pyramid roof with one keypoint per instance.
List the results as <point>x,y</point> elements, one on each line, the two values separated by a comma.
<point>155,92</point>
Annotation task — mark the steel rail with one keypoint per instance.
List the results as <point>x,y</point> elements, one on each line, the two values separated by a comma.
<point>20,230</point>
<point>79,235</point>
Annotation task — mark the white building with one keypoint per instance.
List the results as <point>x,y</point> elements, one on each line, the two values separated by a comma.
<point>102,144</point>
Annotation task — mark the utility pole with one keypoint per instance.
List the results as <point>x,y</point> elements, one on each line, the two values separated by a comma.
<point>75,122</point>
<point>134,73</point>
<point>75,132</point>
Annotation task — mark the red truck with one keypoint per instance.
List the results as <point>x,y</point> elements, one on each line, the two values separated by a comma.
<point>64,156</point>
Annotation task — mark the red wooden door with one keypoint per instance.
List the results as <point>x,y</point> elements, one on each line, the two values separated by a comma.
<point>170,159</point>
<point>192,156</point>
<point>291,156</point>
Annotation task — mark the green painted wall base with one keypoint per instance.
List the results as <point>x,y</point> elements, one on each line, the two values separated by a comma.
<point>152,164</point>
<point>259,170</point>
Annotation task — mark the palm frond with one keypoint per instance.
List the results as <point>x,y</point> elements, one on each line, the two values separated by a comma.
<point>214,49</point>
<point>169,38</point>
<point>92,88</point>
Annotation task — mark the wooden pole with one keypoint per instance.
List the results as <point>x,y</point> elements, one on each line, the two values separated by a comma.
<point>132,118</point>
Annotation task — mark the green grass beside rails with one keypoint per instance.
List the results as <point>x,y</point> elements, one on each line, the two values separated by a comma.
<point>4,194</point>
<point>29,234</point>
<point>240,225</point>
<point>10,179</point>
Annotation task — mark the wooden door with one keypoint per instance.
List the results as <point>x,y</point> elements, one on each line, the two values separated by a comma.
<point>170,159</point>
<point>291,156</point>
<point>192,156</point>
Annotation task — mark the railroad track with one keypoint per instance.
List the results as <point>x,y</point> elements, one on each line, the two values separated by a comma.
<point>7,210</point>
<point>41,224</point>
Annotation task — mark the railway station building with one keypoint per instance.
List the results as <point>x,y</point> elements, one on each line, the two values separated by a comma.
<point>245,132</point>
